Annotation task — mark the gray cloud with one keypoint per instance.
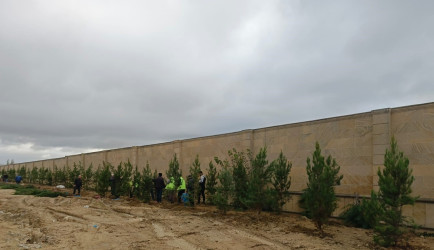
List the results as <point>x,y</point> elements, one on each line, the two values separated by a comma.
<point>78,76</point>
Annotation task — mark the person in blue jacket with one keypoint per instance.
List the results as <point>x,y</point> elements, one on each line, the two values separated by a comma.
<point>18,179</point>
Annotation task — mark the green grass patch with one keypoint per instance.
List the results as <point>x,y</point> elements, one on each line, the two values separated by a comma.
<point>31,190</point>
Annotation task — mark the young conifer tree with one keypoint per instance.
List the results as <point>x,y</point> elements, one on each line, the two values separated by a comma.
<point>137,178</point>
<point>238,162</point>
<point>395,189</point>
<point>87,177</point>
<point>211,183</point>
<point>194,172</point>
<point>258,178</point>
<point>174,171</point>
<point>126,178</point>
<point>224,190</point>
<point>146,185</point>
<point>320,199</point>
<point>281,180</point>
<point>102,177</point>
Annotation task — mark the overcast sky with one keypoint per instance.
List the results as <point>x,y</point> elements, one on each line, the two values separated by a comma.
<point>79,76</point>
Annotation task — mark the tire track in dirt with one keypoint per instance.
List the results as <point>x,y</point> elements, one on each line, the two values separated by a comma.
<point>171,239</point>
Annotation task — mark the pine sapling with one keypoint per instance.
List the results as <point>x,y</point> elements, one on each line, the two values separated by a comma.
<point>281,180</point>
<point>395,182</point>
<point>320,199</point>
<point>211,183</point>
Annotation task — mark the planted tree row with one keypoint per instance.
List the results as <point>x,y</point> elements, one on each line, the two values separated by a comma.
<point>246,181</point>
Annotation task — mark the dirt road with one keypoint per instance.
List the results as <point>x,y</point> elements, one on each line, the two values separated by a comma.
<point>28,222</point>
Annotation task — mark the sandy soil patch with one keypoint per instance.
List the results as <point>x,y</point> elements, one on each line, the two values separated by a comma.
<point>28,222</point>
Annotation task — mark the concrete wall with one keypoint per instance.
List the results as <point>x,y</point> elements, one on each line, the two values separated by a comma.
<point>358,142</point>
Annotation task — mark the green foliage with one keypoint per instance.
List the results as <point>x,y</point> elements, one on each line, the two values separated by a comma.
<point>67,171</point>
<point>34,175</point>
<point>363,214</point>
<point>118,172</point>
<point>22,172</point>
<point>281,180</point>
<point>193,185</point>
<point>41,175</point>
<point>259,177</point>
<point>102,178</point>
<point>11,173</point>
<point>31,190</point>
<point>28,175</point>
<point>224,190</point>
<point>137,178</point>
<point>395,182</point>
<point>146,184</point>
<point>174,171</point>
<point>73,174</point>
<point>126,178</point>
<point>319,196</point>
<point>238,163</point>
<point>49,177</point>
<point>211,183</point>
<point>61,176</point>
<point>88,177</point>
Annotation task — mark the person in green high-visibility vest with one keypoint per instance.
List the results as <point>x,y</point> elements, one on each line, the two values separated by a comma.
<point>170,188</point>
<point>181,189</point>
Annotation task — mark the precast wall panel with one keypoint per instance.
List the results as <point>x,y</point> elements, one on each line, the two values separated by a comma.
<point>347,139</point>
<point>96,159</point>
<point>117,156</point>
<point>157,156</point>
<point>413,128</point>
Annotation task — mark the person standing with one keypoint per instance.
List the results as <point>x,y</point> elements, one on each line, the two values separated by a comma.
<point>170,187</point>
<point>181,188</point>
<point>113,185</point>
<point>77,185</point>
<point>159,186</point>
<point>202,182</point>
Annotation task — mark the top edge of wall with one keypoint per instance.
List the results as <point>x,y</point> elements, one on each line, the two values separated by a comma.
<point>329,119</point>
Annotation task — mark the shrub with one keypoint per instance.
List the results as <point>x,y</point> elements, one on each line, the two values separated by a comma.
<point>363,214</point>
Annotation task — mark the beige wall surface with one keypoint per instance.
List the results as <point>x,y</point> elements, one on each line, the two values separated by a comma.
<point>348,139</point>
<point>413,128</point>
<point>357,142</point>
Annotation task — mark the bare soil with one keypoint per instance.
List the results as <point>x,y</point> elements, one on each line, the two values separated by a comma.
<point>85,222</point>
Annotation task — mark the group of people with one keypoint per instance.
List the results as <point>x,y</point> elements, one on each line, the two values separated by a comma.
<point>18,178</point>
<point>185,190</point>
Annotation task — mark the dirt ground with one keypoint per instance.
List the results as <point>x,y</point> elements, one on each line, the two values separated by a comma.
<point>28,222</point>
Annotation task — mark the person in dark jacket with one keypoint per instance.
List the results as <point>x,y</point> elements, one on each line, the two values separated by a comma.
<point>202,182</point>
<point>114,185</point>
<point>190,189</point>
<point>159,186</point>
<point>77,185</point>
